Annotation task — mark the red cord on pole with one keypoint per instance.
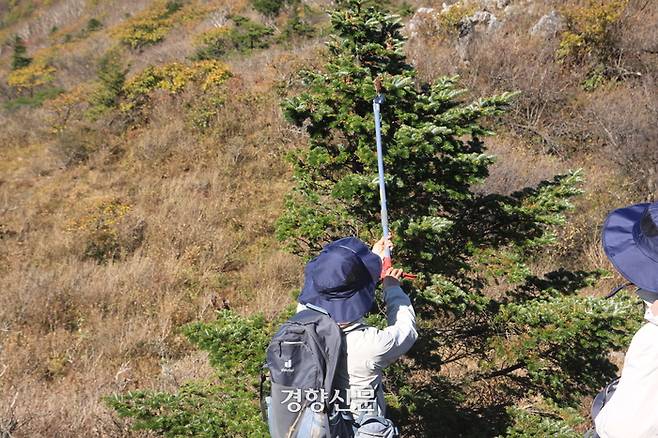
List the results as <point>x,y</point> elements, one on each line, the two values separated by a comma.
<point>387,264</point>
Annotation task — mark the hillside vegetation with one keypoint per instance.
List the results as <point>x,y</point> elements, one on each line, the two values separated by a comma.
<point>145,161</point>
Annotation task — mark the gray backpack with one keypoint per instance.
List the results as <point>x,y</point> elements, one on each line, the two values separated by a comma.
<point>302,359</point>
<point>374,426</point>
<point>599,401</point>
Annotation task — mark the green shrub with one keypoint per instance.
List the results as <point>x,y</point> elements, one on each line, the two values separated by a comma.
<point>543,419</point>
<point>93,25</point>
<point>173,6</point>
<point>36,100</point>
<point>296,26</point>
<point>249,35</point>
<point>245,35</point>
<point>512,333</point>
<point>111,75</point>
<point>213,44</point>
<point>19,58</point>
<point>595,78</point>
<point>270,8</point>
<point>226,407</point>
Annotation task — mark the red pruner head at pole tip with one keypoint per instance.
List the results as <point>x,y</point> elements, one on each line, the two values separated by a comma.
<point>387,264</point>
<point>378,85</point>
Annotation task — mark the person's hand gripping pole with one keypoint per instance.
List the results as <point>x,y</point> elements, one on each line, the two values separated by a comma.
<point>383,249</point>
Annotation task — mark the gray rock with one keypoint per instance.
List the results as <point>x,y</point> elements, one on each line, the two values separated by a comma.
<point>480,23</point>
<point>549,25</point>
<point>424,18</point>
<point>447,4</point>
<point>494,4</point>
<point>486,19</point>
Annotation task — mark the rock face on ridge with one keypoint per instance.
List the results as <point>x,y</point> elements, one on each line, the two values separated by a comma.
<point>480,23</point>
<point>548,25</point>
<point>481,19</point>
<point>428,22</point>
<point>423,20</point>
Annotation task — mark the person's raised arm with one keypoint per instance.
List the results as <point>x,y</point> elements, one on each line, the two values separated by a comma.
<point>401,332</point>
<point>400,316</point>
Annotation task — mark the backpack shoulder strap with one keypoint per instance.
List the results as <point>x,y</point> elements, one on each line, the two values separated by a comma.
<point>316,308</point>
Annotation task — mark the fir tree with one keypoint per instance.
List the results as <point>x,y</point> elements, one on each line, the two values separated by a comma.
<point>19,58</point>
<point>111,75</point>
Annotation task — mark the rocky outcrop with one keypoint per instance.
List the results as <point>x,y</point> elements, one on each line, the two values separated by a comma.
<point>495,4</point>
<point>424,20</point>
<point>480,23</point>
<point>549,25</point>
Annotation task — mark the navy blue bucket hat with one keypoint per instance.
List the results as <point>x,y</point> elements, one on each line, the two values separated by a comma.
<point>630,240</point>
<point>342,279</point>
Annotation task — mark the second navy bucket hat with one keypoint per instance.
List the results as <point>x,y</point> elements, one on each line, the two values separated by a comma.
<point>630,240</point>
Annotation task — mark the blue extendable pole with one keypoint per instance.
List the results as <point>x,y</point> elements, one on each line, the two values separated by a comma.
<point>377,101</point>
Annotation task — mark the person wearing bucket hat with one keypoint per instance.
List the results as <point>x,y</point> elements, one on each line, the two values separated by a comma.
<point>342,280</point>
<point>630,241</point>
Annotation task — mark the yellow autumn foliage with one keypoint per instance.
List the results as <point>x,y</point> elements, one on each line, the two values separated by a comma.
<point>153,25</point>
<point>590,28</point>
<point>211,73</point>
<point>67,106</point>
<point>100,230</point>
<point>28,78</point>
<point>103,214</point>
<point>450,19</point>
<point>173,78</point>
<point>211,36</point>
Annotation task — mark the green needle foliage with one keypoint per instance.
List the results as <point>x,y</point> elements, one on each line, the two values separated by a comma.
<point>227,407</point>
<point>245,35</point>
<point>111,79</point>
<point>502,351</point>
<point>270,8</point>
<point>19,58</point>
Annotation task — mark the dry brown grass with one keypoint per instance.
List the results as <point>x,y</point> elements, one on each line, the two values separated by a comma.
<point>624,119</point>
<point>72,329</point>
<point>517,166</point>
